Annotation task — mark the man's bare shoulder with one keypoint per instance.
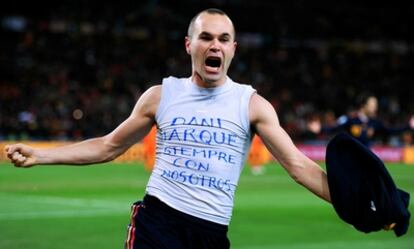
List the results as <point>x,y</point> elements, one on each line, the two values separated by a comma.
<point>257,100</point>
<point>258,107</point>
<point>153,93</point>
<point>148,102</point>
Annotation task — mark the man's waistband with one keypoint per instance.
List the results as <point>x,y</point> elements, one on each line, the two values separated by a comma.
<point>154,202</point>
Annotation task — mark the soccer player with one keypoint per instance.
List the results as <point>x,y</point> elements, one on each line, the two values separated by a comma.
<point>363,123</point>
<point>204,128</point>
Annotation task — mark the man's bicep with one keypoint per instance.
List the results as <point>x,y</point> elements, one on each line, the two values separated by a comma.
<point>130,131</point>
<point>279,143</point>
<point>139,123</point>
<point>264,120</point>
<point>266,125</point>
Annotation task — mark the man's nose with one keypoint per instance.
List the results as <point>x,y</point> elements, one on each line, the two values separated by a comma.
<point>215,45</point>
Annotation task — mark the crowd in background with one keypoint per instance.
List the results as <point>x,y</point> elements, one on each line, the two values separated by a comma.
<point>75,69</point>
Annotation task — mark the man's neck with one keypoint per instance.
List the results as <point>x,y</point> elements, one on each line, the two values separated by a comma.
<point>200,82</point>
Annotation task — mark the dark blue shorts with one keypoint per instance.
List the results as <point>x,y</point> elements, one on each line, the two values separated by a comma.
<point>154,225</point>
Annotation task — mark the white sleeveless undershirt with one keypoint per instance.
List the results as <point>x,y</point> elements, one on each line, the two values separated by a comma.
<point>202,141</point>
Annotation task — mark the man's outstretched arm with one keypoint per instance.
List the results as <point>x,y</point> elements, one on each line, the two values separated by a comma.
<point>303,170</point>
<point>95,150</point>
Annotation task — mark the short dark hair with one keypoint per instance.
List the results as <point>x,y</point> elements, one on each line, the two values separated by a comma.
<point>213,11</point>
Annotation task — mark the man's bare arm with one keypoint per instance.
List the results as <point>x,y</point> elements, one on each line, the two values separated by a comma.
<point>95,150</point>
<point>303,170</point>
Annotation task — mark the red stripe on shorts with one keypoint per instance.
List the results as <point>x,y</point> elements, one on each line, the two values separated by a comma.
<point>129,243</point>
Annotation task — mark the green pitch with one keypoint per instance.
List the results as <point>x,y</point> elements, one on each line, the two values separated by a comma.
<point>88,207</point>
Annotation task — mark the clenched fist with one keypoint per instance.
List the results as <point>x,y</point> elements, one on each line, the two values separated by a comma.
<point>21,155</point>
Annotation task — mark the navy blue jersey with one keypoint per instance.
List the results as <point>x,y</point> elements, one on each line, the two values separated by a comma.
<point>364,130</point>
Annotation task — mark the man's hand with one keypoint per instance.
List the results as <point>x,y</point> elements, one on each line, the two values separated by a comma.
<point>21,155</point>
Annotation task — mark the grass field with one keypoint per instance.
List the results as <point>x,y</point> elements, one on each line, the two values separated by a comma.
<point>88,207</point>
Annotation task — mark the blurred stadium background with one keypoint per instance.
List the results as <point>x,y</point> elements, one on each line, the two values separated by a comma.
<point>72,70</point>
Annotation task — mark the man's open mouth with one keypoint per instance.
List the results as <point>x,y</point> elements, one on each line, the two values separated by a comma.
<point>213,61</point>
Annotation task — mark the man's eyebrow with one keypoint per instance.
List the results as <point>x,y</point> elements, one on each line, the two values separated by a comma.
<point>205,33</point>
<point>225,34</point>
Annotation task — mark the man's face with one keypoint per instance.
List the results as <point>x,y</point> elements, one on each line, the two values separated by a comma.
<point>371,107</point>
<point>211,46</point>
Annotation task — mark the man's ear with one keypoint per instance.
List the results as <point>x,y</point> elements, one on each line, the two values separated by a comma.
<point>187,44</point>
